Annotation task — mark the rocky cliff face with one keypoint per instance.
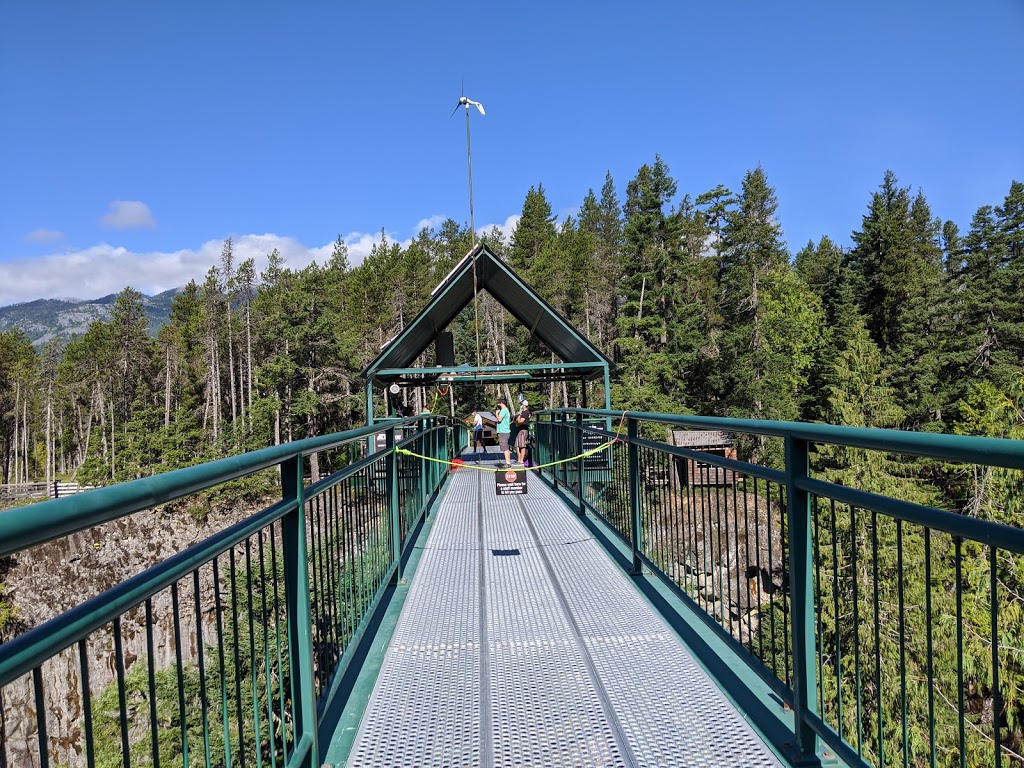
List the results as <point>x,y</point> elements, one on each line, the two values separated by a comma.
<point>54,577</point>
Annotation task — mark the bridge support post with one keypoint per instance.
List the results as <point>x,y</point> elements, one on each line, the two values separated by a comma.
<point>296,586</point>
<point>423,464</point>
<point>391,486</point>
<point>551,449</point>
<point>581,510</point>
<point>634,492</point>
<point>801,592</point>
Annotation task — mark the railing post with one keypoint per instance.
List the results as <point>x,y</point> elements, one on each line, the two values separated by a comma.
<point>554,442</point>
<point>300,623</point>
<point>634,490</point>
<point>391,488</point>
<point>435,475</point>
<point>422,448</point>
<point>801,593</point>
<point>581,509</point>
<point>551,448</point>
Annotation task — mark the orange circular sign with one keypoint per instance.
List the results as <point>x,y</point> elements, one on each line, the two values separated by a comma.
<point>510,477</point>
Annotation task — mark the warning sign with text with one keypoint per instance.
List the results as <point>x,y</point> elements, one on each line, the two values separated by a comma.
<point>508,482</point>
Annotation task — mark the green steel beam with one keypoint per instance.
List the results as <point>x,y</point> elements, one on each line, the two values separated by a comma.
<point>391,488</point>
<point>992,451</point>
<point>31,649</point>
<point>960,526</point>
<point>634,492</point>
<point>801,586</point>
<point>299,616</point>
<point>581,494</point>
<point>36,524</point>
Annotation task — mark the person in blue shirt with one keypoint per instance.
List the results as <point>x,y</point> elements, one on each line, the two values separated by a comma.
<point>504,428</point>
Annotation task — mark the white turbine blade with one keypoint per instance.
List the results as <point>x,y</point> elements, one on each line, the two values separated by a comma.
<point>480,107</point>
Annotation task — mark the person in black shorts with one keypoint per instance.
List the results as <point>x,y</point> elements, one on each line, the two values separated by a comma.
<point>523,435</point>
<point>478,434</point>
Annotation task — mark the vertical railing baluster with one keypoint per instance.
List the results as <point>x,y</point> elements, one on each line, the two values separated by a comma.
<point>122,704</point>
<point>801,587</point>
<point>296,585</point>
<point>855,578</point>
<point>237,646</point>
<point>958,564</point>
<point>43,740</point>
<point>901,604</point>
<point>837,628</point>
<point>180,669</point>
<point>201,664</point>
<point>876,603</point>
<point>90,746</point>
<point>284,697</point>
<point>928,637</point>
<point>225,710</point>
<point>997,703</point>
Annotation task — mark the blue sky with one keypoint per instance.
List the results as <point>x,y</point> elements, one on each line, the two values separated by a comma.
<point>135,137</point>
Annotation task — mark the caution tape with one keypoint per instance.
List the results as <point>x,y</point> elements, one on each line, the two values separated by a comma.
<point>451,462</point>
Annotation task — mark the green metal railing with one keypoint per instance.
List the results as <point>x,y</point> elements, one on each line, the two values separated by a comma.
<point>890,625</point>
<point>230,652</point>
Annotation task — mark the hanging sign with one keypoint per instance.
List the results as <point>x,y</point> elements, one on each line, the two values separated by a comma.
<point>510,482</point>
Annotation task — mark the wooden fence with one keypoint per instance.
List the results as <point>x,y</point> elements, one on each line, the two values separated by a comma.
<point>15,491</point>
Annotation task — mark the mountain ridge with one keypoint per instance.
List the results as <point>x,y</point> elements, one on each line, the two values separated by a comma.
<point>42,320</point>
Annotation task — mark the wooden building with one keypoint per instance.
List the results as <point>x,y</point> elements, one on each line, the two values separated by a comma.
<point>714,442</point>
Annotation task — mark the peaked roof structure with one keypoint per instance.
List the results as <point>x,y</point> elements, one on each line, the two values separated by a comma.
<point>581,360</point>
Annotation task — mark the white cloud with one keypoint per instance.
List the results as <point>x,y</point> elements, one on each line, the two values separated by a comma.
<point>93,272</point>
<point>90,273</point>
<point>506,229</point>
<point>432,222</point>
<point>128,214</point>
<point>45,236</point>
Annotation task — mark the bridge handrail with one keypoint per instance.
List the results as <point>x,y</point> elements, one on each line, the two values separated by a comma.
<point>995,451</point>
<point>25,527</point>
<point>339,544</point>
<point>669,504</point>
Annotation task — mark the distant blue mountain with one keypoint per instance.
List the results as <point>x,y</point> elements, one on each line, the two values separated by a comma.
<point>45,319</point>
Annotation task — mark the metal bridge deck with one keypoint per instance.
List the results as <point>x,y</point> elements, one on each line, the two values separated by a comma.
<point>523,644</point>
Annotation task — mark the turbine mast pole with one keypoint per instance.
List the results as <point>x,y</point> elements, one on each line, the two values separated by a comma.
<point>469,158</point>
<point>472,229</point>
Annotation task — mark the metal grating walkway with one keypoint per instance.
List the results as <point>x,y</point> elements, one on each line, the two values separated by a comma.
<point>522,644</point>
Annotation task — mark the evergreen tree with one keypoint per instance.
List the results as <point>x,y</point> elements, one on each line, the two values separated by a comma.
<point>921,353</point>
<point>18,365</point>
<point>651,243</point>
<point>772,318</point>
<point>603,220</point>
<point>880,260</point>
<point>1010,326</point>
<point>534,230</point>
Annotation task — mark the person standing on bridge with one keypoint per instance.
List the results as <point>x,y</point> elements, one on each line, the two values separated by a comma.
<point>523,433</point>
<point>478,434</point>
<point>504,428</point>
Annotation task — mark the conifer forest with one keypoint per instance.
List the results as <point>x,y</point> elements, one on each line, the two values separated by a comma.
<point>696,297</point>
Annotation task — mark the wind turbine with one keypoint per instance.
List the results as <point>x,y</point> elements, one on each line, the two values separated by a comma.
<point>465,101</point>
